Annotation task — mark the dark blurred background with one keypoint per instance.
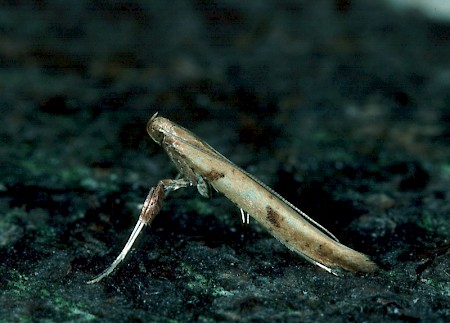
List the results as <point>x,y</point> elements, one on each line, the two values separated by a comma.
<point>341,106</point>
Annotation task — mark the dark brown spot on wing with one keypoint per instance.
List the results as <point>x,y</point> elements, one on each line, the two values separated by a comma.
<point>273,217</point>
<point>213,175</point>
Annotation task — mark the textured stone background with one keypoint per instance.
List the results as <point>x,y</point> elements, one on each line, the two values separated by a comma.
<point>341,106</point>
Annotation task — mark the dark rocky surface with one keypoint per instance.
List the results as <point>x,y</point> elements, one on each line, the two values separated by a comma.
<point>343,107</point>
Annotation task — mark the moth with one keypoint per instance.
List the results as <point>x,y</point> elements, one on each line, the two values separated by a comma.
<point>202,166</point>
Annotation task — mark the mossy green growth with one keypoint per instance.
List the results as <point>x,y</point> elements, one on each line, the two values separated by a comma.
<point>58,305</point>
<point>11,229</point>
<point>59,174</point>
<point>434,223</point>
<point>445,169</point>
<point>199,283</point>
<point>442,287</point>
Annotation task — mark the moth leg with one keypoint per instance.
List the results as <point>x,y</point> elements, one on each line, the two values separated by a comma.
<point>203,187</point>
<point>245,220</point>
<point>150,209</point>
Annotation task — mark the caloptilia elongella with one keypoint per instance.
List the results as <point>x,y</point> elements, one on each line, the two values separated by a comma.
<point>202,166</point>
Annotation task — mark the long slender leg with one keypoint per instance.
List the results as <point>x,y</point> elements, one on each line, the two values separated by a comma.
<point>150,210</point>
<point>245,220</point>
<point>242,215</point>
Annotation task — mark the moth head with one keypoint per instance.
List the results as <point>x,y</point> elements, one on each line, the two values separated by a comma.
<point>158,128</point>
<point>154,129</point>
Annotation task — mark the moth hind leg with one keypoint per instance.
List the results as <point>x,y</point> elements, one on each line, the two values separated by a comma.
<point>150,209</point>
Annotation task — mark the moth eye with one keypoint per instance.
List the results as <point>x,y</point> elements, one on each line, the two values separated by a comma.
<point>156,135</point>
<point>153,132</point>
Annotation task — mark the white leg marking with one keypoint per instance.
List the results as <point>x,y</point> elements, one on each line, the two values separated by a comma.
<point>242,215</point>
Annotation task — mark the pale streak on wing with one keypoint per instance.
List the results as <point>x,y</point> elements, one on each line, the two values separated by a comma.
<point>219,156</point>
